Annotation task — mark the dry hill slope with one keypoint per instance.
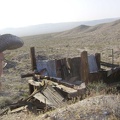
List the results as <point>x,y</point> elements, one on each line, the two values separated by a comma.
<point>108,28</point>
<point>98,38</point>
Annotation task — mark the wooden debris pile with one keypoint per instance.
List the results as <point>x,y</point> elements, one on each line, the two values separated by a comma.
<point>48,93</point>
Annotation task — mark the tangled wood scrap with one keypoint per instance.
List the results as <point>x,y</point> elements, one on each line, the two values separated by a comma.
<point>47,95</point>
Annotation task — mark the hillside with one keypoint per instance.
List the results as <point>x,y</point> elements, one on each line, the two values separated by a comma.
<point>99,38</point>
<point>51,27</point>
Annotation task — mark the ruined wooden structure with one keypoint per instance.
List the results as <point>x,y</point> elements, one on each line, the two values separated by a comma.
<point>59,80</point>
<point>69,72</point>
<point>52,82</point>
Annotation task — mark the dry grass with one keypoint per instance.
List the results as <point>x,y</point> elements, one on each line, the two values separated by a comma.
<point>94,108</point>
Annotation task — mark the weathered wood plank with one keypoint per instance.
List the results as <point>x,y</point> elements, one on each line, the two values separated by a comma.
<point>53,96</point>
<point>96,77</point>
<point>75,66</point>
<point>57,81</point>
<point>18,109</point>
<point>67,89</point>
<point>84,67</point>
<point>43,99</point>
<point>108,64</point>
<point>98,59</point>
<point>55,93</point>
<point>70,92</point>
<point>50,97</point>
<point>35,83</point>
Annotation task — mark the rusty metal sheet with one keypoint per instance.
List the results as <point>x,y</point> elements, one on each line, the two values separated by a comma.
<point>49,65</point>
<point>92,64</point>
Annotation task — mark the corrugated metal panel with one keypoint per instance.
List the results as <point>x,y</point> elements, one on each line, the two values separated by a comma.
<point>92,64</point>
<point>50,66</point>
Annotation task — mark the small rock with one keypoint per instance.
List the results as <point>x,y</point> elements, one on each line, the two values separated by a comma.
<point>106,113</point>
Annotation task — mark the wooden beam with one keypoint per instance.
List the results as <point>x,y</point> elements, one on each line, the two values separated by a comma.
<point>108,64</point>
<point>18,109</point>
<point>33,58</point>
<point>35,83</point>
<point>98,59</point>
<point>84,67</point>
<point>58,81</point>
<point>33,65</point>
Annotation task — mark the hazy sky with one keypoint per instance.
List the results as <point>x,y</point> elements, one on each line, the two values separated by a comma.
<point>18,13</point>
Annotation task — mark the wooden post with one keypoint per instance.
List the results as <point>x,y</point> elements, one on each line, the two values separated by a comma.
<point>33,58</point>
<point>84,67</point>
<point>98,59</point>
<point>34,67</point>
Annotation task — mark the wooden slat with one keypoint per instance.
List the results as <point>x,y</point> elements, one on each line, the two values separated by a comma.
<point>108,64</point>
<point>57,81</point>
<point>75,66</point>
<point>70,92</point>
<point>50,97</point>
<point>98,76</point>
<point>43,99</point>
<point>53,96</point>
<point>18,109</point>
<point>66,89</point>
<point>55,93</point>
<point>35,83</point>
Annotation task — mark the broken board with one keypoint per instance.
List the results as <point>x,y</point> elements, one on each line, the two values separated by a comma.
<point>50,97</point>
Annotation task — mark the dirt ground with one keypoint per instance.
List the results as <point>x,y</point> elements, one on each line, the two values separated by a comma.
<point>102,107</point>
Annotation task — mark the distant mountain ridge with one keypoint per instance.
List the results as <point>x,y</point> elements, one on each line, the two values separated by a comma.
<point>103,27</point>
<point>105,33</point>
<point>52,27</point>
